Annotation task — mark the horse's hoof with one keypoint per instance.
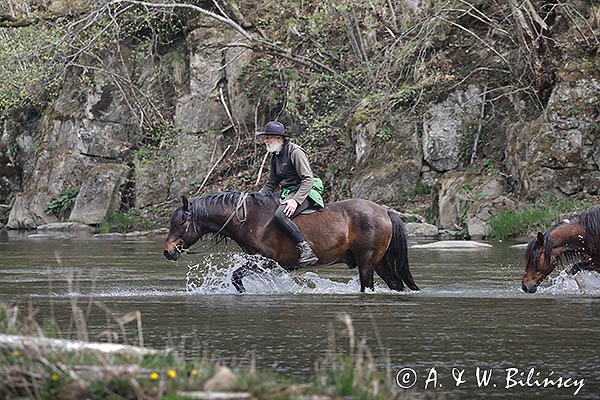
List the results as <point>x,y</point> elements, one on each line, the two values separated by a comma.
<point>240,289</point>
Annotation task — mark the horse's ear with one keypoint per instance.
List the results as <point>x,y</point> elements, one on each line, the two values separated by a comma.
<point>540,238</point>
<point>185,202</point>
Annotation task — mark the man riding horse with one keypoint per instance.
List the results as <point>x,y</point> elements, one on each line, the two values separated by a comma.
<point>290,170</point>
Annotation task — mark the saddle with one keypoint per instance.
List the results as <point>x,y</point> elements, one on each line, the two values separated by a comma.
<point>310,210</point>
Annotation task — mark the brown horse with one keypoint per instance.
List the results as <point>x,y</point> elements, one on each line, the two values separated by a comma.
<point>355,232</point>
<point>577,238</point>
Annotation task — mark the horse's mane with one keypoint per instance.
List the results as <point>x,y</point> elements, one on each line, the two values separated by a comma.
<point>228,201</point>
<point>591,222</point>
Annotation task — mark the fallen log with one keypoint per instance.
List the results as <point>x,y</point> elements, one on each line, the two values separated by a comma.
<point>27,343</point>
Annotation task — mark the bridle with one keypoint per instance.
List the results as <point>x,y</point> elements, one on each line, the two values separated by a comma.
<point>240,212</point>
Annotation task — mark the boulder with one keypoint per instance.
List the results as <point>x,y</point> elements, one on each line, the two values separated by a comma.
<point>28,210</point>
<point>452,244</point>
<point>66,227</point>
<point>469,199</point>
<point>223,380</point>
<point>194,155</point>
<point>481,212</point>
<point>445,125</point>
<point>97,98</point>
<point>10,174</point>
<point>91,123</point>
<point>99,197</point>
<point>180,169</point>
<point>58,166</point>
<point>421,230</point>
<point>152,177</point>
<point>17,155</point>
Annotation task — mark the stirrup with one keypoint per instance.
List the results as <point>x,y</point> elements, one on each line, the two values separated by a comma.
<point>307,255</point>
<point>308,261</point>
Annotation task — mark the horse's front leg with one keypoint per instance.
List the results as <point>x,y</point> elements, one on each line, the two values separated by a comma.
<point>586,265</point>
<point>239,274</point>
<point>250,267</point>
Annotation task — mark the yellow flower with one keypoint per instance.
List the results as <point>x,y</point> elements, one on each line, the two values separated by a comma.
<point>172,374</point>
<point>54,377</point>
<point>194,372</point>
<point>16,353</point>
<point>154,376</point>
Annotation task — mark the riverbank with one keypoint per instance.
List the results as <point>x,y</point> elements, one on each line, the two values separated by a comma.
<point>34,366</point>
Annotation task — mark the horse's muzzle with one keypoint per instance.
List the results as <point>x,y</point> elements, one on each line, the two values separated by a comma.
<point>171,255</point>
<point>530,288</point>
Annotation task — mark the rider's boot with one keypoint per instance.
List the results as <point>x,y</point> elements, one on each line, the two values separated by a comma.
<point>307,255</point>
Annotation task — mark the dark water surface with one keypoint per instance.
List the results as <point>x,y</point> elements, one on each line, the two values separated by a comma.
<point>470,315</point>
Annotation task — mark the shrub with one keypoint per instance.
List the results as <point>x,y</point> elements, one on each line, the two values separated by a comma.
<point>124,222</point>
<point>61,205</point>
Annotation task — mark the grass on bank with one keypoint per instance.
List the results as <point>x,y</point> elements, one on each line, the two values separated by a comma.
<point>123,222</point>
<point>533,218</point>
<point>39,373</point>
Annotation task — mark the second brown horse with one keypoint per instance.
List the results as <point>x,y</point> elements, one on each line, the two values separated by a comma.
<point>578,236</point>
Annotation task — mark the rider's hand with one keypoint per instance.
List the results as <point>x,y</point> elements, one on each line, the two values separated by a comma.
<point>290,207</point>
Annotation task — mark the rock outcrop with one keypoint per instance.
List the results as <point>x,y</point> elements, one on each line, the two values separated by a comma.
<point>445,124</point>
<point>388,158</point>
<point>558,153</point>
<point>91,136</point>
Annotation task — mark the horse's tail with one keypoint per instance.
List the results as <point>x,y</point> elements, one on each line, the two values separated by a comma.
<point>395,260</point>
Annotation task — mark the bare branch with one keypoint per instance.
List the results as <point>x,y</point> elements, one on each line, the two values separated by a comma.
<point>481,115</point>
<point>197,192</point>
<point>255,43</point>
<point>226,21</point>
<point>470,32</point>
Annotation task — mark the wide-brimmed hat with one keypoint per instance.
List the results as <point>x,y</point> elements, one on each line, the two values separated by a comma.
<point>273,128</point>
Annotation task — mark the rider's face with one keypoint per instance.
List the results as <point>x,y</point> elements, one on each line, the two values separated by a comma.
<point>273,142</point>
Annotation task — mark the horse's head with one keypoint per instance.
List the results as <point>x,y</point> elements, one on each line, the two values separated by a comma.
<point>183,231</point>
<point>539,262</point>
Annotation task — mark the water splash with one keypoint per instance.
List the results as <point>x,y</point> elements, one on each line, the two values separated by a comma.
<point>213,276</point>
<point>583,282</point>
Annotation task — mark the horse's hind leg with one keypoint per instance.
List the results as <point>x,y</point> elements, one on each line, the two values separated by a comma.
<point>393,281</point>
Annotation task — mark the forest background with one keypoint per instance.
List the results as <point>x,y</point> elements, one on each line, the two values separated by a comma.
<point>478,117</point>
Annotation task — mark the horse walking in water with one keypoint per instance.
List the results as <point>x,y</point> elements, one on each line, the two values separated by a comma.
<point>356,232</point>
<point>577,237</point>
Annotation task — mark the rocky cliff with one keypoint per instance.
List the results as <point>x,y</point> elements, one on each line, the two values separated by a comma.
<point>455,111</point>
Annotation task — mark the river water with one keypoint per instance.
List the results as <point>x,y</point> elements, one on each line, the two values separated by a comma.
<point>469,322</point>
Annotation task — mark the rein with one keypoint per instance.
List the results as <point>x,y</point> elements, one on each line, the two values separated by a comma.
<point>241,205</point>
